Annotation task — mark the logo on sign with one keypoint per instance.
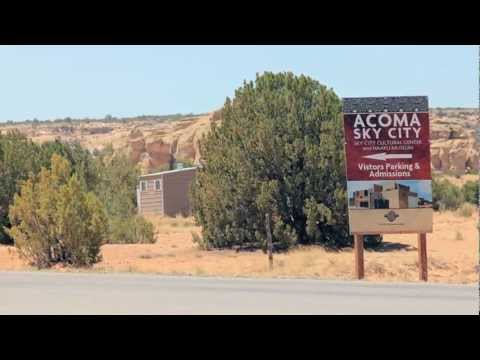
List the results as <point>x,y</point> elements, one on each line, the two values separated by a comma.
<point>391,216</point>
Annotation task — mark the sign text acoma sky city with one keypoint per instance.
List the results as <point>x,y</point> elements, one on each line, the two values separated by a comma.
<point>388,167</point>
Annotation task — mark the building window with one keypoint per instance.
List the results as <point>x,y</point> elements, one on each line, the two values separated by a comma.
<point>158,185</point>
<point>381,204</point>
<point>143,186</point>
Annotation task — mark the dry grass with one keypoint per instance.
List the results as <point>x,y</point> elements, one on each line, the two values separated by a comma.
<point>451,260</point>
<point>168,225</point>
<point>466,210</point>
<point>460,180</point>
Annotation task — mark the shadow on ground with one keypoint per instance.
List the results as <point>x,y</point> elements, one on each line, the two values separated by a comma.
<point>391,246</point>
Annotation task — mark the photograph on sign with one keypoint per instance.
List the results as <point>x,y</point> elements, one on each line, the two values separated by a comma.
<point>387,146</point>
<point>390,194</point>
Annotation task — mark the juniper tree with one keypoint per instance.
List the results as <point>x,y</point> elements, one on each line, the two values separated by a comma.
<point>54,220</point>
<point>470,191</point>
<point>18,160</point>
<point>116,188</point>
<point>80,159</point>
<point>278,149</point>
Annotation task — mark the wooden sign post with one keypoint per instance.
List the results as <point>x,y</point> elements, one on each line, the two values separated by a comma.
<point>359,264</point>
<point>422,257</point>
<point>389,182</point>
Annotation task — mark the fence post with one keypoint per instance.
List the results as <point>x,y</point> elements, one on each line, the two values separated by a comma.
<point>269,241</point>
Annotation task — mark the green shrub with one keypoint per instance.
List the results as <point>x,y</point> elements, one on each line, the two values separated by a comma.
<point>80,159</point>
<point>470,191</point>
<point>55,221</point>
<point>116,188</point>
<point>19,159</point>
<point>446,196</point>
<point>144,231</point>
<point>130,230</point>
<point>4,223</point>
<point>277,150</point>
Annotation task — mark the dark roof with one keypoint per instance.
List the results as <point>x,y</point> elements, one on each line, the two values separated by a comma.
<point>390,104</point>
<point>168,172</point>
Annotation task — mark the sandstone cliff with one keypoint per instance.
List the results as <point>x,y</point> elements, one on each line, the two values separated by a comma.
<point>454,143</point>
<point>154,144</point>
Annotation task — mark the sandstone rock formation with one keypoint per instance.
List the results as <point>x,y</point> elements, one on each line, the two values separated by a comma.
<point>154,143</point>
<point>160,153</point>
<point>156,147</point>
<point>454,144</point>
<point>136,145</point>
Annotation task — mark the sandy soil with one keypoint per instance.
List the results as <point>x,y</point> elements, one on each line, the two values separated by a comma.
<point>452,249</point>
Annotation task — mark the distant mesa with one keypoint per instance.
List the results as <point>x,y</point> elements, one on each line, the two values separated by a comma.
<point>154,141</point>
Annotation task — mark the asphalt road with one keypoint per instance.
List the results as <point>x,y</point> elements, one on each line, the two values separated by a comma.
<point>76,293</point>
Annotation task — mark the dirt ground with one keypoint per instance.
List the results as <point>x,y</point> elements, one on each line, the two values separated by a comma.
<point>452,255</point>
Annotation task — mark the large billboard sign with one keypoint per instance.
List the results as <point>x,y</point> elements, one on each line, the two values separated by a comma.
<point>387,146</point>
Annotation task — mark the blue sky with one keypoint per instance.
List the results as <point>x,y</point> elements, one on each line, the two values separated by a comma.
<point>47,82</point>
<point>422,187</point>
